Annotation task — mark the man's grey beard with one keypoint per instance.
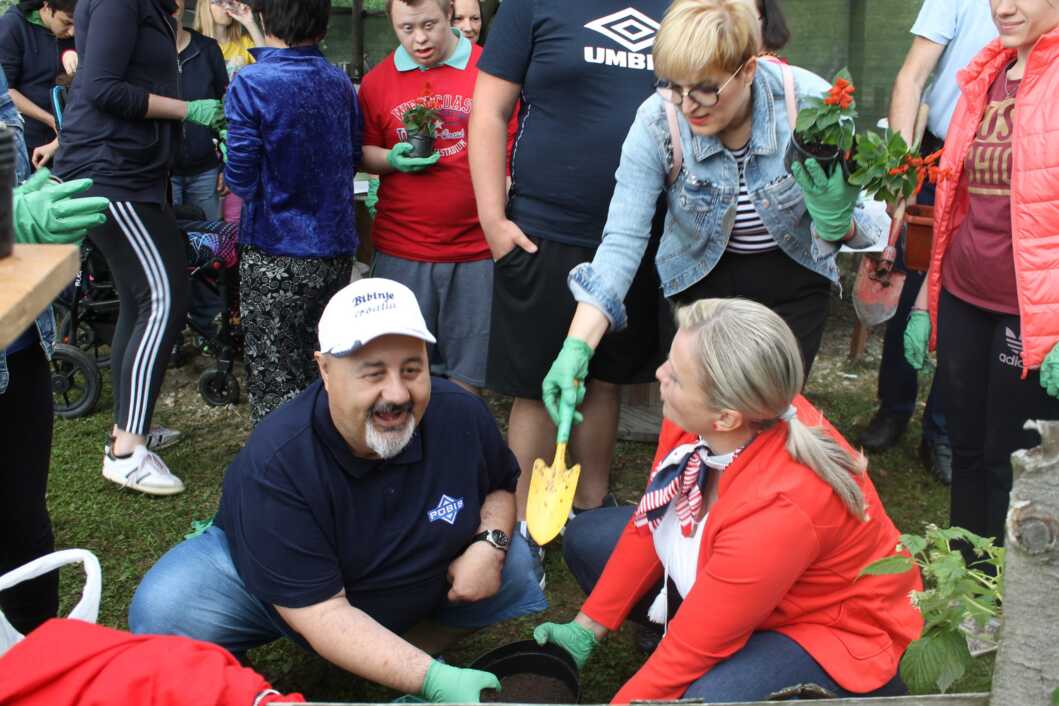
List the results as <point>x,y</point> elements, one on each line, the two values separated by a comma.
<point>388,444</point>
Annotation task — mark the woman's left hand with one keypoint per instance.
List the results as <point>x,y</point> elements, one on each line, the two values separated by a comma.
<point>829,200</point>
<point>1050,372</point>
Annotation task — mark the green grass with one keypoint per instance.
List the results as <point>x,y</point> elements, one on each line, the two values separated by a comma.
<point>129,531</point>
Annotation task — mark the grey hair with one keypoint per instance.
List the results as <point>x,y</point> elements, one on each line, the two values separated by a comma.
<point>750,363</point>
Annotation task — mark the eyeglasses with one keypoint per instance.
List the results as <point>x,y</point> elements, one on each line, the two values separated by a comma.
<point>702,96</point>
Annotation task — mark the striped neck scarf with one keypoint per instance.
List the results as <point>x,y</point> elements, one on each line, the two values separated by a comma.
<point>682,476</point>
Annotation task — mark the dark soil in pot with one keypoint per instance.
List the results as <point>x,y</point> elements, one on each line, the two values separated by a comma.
<point>422,145</point>
<point>530,689</point>
<point>826,155</point>
<point>531,674</point>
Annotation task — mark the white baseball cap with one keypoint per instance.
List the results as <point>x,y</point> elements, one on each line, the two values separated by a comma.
<point>372,307</point>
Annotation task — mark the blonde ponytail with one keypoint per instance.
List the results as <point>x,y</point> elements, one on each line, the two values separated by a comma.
<point>751,364</point>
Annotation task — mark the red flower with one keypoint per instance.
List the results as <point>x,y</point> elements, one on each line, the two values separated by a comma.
<point>841,94</point>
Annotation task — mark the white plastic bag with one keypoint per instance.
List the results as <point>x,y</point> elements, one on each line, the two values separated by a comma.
<point>87,608</point>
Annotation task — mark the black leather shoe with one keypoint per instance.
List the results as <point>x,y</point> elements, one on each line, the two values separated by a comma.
<point>938,460</point>
<point>882,431</point>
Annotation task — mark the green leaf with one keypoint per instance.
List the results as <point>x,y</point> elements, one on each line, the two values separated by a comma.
<point>805,121</point>
<point>913,543</point>
<point>935,661</point>
<point>896,564</point>
<point>1055,697</point>
<point>949,569</point>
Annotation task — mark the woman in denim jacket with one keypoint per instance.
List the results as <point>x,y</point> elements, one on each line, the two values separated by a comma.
<point>739,223</point>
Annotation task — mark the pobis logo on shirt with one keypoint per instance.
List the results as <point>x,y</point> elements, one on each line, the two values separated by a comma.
<point>632,30</point>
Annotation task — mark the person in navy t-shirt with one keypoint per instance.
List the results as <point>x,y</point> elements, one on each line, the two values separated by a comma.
<point>375,502</point>
<point>580,70</point>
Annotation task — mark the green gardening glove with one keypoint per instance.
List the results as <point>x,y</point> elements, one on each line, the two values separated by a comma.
<point>43,212</point>
<point>372,199</point>
<point>917,337</point>
<point>222,144</point>
<point>1050,372</point>
<point>829,200</point>
<point>577,640</point>
<point>409,165</point>
<point>564,386</point>
<point>452,685</point>
<point>208,112</point>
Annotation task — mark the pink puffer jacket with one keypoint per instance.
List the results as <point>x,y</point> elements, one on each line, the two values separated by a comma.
<point>1034,188</point>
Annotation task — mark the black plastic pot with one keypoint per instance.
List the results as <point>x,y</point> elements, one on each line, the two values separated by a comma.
<point>527,657</point>
<point>826,155</point>
<point>422,144</point>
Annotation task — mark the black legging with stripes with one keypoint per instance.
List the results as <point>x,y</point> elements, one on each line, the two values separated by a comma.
<point>145,252</point>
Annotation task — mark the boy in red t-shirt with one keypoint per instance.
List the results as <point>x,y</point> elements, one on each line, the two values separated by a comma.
<point>426,232</point>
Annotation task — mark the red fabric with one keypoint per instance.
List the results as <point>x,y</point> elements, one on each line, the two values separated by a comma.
<point>1034,188</point>
<point>429,216</point>
<point>74,663</point>
<point>980,266</point>
<point>779,552</point>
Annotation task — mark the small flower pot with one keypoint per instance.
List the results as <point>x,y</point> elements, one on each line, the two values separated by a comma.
<point>919,238</point>
<point>827,156</point>
<point>531,674</point>
<point>422,144</point>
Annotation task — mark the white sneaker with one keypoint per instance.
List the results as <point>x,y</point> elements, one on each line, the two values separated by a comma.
<point>160,437</point>
<point>143,471</point>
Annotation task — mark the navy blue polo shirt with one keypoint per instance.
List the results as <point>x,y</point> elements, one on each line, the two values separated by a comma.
<point>306,518</point>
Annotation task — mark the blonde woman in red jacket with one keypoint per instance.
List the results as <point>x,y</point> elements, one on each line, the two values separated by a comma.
<point>750,539</point>
<point>991,300</point>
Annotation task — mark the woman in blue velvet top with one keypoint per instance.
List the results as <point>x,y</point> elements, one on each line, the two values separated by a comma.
<point>293,146</point>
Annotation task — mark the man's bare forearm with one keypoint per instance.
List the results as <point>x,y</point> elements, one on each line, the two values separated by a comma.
<point>353,640</point>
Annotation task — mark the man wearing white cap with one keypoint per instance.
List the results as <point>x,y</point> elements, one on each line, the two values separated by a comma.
<point>376,506</point>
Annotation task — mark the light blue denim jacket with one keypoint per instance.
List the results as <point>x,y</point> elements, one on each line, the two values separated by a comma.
<point>46,321</point>
<point>702,201</point>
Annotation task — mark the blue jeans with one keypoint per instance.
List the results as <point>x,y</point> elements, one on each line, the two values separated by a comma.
<point>198,190</point>
<point>768,662</point>
<point>194,590</point>
<point>898,381</point>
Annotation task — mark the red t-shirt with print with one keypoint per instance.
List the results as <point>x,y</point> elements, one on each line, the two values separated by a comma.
<point>980,265</point>
<point>429,216</point>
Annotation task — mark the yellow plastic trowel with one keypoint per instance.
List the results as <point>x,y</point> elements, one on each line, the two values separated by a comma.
<point>551,496</point>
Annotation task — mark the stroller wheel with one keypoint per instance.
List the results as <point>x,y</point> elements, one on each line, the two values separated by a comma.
<point>85,338</point>
<point>75,382</point>
<point>218,388</point>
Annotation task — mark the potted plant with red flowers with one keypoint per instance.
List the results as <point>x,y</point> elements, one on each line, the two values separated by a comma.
<point>421,123</point>
<point>889,171</point>
<point>826,127</point>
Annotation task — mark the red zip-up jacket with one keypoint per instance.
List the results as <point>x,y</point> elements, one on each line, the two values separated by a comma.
<point>779,552</point>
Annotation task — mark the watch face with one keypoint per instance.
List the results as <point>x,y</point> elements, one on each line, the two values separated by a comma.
<point>499,538</point>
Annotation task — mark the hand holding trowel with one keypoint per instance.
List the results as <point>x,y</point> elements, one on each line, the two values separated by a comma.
<point>552,488</point>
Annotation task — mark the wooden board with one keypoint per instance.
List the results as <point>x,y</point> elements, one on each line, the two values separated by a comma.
<point>927,700</point>
<point>641,413</point>
<point>29,280</point>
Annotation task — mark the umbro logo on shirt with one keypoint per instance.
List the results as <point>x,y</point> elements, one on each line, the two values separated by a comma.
<point>629,28</point>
